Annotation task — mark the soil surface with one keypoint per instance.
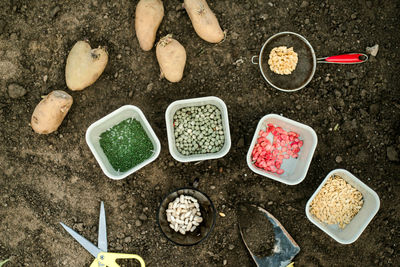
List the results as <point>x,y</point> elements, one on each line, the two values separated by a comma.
<point>257,230</point>
<point>45,179</point>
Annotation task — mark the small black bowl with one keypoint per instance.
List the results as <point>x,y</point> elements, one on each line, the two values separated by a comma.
<point>202,231</point>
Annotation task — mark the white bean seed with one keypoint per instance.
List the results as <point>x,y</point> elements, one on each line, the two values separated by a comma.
<point>184,214</point>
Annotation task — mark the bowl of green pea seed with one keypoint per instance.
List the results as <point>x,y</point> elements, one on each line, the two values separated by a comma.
<point>123,142</point>
<point>198,129</point>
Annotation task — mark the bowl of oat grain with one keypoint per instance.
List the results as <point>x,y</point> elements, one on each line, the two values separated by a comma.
<point>342,206</point>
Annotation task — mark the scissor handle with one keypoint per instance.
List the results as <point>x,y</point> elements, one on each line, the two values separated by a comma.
<point>109,259</point>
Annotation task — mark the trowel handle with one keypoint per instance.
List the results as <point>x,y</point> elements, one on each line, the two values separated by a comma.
<point>352,58</point>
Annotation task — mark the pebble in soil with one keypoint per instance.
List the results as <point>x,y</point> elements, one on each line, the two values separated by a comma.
<point>126,145</point>
<point>198,130</point>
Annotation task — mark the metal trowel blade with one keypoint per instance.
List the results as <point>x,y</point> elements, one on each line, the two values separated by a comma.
<point>285,248</point>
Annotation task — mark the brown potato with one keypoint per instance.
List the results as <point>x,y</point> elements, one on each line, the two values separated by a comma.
<point>204,21</point>
<point>50,112</point>
<point>148,16</point>
<point>171,56</point>
<point>84,65</point>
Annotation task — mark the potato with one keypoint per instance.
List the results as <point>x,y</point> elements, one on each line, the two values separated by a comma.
<point>204,21</point>
<point>50,112</point>
<point>149,14</point>
<point>171,56</point>
<point>84,65</point>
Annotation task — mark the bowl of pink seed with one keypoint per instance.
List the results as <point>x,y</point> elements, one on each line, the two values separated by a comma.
<point>282,149</point>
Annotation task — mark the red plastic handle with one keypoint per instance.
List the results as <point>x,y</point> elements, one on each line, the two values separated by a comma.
<point>347,58</point>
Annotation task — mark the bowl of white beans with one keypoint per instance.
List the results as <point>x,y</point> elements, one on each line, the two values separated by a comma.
<point>186,216</point>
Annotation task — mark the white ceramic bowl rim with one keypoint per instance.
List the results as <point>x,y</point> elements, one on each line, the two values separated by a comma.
<point>298,174</point>
<point>212,100</point>
<point>358,224</point>
<point>92,138</point>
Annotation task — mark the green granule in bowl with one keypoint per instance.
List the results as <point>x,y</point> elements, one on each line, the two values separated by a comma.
<point>126,145</point>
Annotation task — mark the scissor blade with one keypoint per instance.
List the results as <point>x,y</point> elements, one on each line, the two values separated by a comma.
<point>83,241</point>
<point>102,240</point>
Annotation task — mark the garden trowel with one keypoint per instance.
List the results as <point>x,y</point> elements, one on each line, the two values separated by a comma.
<point>284,248</point>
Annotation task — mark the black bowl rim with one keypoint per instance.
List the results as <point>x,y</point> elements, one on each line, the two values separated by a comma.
<point>211,228</point>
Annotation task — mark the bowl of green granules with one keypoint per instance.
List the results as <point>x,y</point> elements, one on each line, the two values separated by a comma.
<point>198,129</point>
<point>123,142</point>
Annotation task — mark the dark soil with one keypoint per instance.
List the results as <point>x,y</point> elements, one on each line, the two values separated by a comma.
<point>45,179</point>
<point>257,230</point>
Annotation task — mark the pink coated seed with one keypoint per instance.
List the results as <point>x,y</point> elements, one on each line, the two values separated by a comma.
<point>270,156</point>
<point>263,144</point>
<point>277,165</point>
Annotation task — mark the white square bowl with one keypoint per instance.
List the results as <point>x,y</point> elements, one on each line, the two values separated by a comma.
<point>357,225</point>
<point>200,101</point>
<point>97,128</point>
<point>295,169</point>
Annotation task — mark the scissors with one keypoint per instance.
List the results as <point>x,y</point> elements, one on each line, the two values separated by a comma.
<point>102,257</point>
